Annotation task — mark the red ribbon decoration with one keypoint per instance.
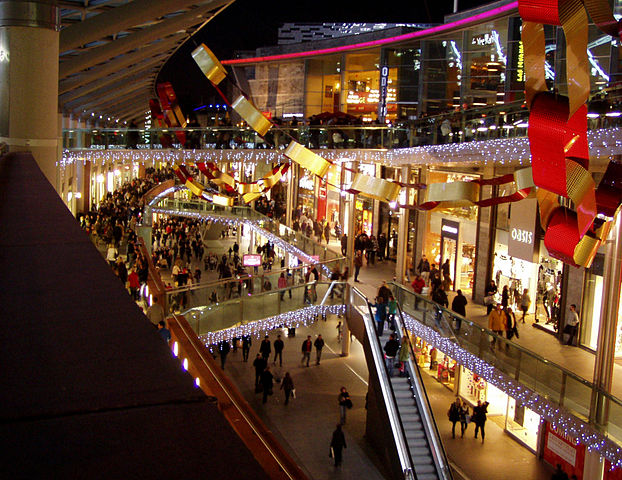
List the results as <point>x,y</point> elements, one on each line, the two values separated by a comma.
<point>168,100</point>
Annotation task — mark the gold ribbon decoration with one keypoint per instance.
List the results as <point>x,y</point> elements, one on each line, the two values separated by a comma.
<point>373,187</point>
<point>209,64</point>
<point>572,17</point>
<point>222,200</point>
<point>251,115</point>
<point>448,195</point>
<point>307,159</point>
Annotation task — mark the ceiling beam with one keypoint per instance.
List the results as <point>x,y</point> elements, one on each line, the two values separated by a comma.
<point>118,19</point>
<point>120,62</point>
<point>111,79</point>
<point>167,27</point>
<point>107,99</point>
<point>112,89</point>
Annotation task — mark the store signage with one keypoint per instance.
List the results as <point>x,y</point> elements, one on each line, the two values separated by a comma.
<point>521,238</point>
<point>450,229</point>
<point>251,260</point>
<point>611,473</point>
<point>559,447</point>
<point>306,183</point>
<point>384,86</point>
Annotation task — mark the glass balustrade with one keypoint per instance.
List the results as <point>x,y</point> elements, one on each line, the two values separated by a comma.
<point>508,120</point>
<point>551,381</point>
<point>246,309</point>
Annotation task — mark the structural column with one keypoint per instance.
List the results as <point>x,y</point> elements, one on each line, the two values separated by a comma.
<point>603,365</point>
<point>29,39</point>
<point>402,235</point>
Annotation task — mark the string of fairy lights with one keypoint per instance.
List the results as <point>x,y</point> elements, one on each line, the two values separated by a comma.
<point>501,152</point>
<point>294,319</point>
<point>547,409</point>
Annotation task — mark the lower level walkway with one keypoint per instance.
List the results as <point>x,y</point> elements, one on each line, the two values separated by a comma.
<point>305,425</point>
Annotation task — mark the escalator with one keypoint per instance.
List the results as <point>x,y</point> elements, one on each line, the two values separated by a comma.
<point>418,445</point>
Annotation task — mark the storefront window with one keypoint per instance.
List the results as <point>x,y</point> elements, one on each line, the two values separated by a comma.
<point>485,54</point>
<point>407,62</point>
<point>363,86</point>
<point>323,85</point>
<point>442,61</point>
<point>451,234</point>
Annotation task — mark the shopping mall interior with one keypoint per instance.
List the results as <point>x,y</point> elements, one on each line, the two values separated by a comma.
<point>407,234</point>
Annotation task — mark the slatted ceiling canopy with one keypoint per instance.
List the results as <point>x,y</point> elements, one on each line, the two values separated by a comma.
<point>111,51</point>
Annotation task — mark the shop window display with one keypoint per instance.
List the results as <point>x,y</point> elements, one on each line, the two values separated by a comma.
<point>451,234</point>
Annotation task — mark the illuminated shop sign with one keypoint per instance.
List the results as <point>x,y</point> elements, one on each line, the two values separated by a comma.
<point>521,238</point>
<point>384,83</point>
<point>251,260</point>
<point>450,229</point>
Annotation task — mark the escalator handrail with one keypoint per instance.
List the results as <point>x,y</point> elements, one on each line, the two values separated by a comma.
<point>390,402</point>
<point>434,436</point>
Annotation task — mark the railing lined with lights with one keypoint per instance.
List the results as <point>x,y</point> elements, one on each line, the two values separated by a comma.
<point>484,123</point>
<point>578,395</point>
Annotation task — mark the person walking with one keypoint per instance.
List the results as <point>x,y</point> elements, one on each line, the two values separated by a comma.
<point>404,355</point>
<point>390,350</point>
<point>267,383</point>
<point>246,347</point>
<point>164,332</point>
<point>319,345</point>
<point>511,329</point>
<point>572,324</point>
<point>265,348</point>
<point>223,350</point>
<point>380,315</point>
<point>458,305</point>
<point>423,267</point>
<point>337,444</point>
<point>464,413</point>
<point>358,263</point>
<point>260,365</point>
<point>278,350</point>
<point>307,345</point>
<point>525,303</point>
<point>392,305</point>
<point>559,473</point>
<point>496,323</point>
<point>489,298</point>
<point>454,415</point>
<point>479,418</point>
<point>287,385</point>
<point>344,403</point>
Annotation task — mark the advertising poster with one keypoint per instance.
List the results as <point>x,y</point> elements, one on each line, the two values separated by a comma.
<point>561,448</point>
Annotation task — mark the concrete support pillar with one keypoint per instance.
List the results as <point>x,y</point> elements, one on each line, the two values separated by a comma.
<point>603,365</point>
<point>402,234</point>
<point>345,340</point>
<point>351,233</point>
<point>251,241</point>
<point>29,39</point>
<point>593,466</point>
<point>484,241</point>
<point>292,192</point>
<point>421,229</point>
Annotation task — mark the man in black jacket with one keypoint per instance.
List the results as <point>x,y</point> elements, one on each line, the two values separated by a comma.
<point>278,350</point>
<point>319,345</point>
<point>458,305</point>
<point>390,349</point>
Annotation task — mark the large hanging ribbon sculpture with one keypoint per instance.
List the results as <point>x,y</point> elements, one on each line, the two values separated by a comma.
<point>558,131</point>
<point>437,196</point>
<point>173,115</point>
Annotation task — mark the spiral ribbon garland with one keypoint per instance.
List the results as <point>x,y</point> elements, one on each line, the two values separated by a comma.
<point>558,132</point>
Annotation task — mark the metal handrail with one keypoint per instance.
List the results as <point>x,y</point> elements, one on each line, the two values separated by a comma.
<point>389,397</point>
<point>485,330</point>
<point>433,433</point>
